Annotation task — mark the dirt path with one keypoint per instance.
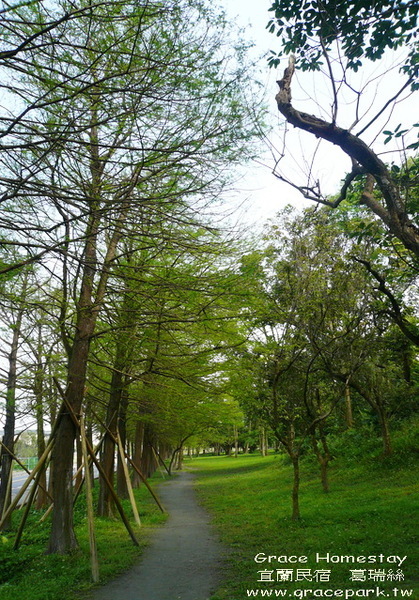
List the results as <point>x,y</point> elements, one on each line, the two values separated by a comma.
<point>183,561</point>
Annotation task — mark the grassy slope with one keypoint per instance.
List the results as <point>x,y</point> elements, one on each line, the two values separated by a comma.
<point>370,510</point>
<point>29,574</point>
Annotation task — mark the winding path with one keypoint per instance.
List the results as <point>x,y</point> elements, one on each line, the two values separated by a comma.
<point>183,561</point>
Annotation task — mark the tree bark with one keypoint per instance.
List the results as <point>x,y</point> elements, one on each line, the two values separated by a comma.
<point>121,481</point>
<point>10,421</point>
<point>138,449</point>
<point>148,462</point>
<point>105,504</point>
<point>296,487</point>
<point>42,496</point>
<point>348,407</point>
<point>393,213</point>
<point>323,460</point>
<point>62,538</point>
<point>385,431</point>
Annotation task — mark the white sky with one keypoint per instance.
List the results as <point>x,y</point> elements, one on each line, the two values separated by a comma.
<point>266,194</point>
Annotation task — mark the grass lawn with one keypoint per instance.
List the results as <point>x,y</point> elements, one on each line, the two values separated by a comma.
<point>29,574</point>
<point>371,510</point>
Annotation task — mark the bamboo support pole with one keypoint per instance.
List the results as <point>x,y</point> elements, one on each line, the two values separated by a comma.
<point>89,502</point>
<point>134,466</point>
<point>148,486</point>
<point>20,463</point>
<point>158,461</point>
<point>34,471</point>
<point>78,490</point>
<point>128,480</point>
<point>25,486</point>
<point>46,513</point>
<point>113,493</point>
<point>29,502</point>
<point>101,472</point>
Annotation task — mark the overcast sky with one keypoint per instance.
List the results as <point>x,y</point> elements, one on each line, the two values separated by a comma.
<point>264,194</point>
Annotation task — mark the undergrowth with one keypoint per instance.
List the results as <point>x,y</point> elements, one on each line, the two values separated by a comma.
<point>30,574</point>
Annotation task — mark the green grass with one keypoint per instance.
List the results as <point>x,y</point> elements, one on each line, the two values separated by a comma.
<point>372,509</point>
<point>30,574</point>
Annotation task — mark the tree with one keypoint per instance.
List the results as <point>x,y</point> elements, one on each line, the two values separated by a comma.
<point>317,333</point>
<point>339,38</point>
<point>7,447</point>
<point>126,125</point>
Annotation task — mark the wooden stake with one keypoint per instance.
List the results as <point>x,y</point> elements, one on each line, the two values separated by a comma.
<point>29,502</point>
<point>34,472</point>
<point>25,486</point>
<point>78,490</point>
<point>128,480</point>
<point>101,472</point>
<point>157,459</point>
<point>144,479</point>
<point>46,513</point>
<point>134,466</point>
<point>20,463</point>
<point>89,502</point>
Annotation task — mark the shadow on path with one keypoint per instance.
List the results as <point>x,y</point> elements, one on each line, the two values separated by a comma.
<point>183,561</point>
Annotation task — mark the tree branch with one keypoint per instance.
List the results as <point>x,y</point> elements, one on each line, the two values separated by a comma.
<point>393,213</point>
<point>396,313</point>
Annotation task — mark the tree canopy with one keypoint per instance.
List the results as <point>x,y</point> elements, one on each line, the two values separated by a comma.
<point>363,29</point>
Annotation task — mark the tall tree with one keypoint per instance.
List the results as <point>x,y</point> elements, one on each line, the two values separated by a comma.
<point>127,119</point>
<point>7,448</point>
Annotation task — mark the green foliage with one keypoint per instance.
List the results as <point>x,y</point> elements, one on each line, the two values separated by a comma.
<point>360,444</point>
<point>364,29</point>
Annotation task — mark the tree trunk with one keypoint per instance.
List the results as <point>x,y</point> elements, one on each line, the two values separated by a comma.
<point>42,497</point>
<point>263,442</point>
<point>10,421</point>
<point>348,408</point>
<point>121,482</point>
<point>148,462</point>
<point>138,450</point>
<point>323,460</point>
<point>236,441</point>
<point>385,431</point>
<point>62,538</point>
<point>179,461</point>
<point>106,503</point>
<point>296,487</point>
<point>38,390</point>
<point>53,417</point>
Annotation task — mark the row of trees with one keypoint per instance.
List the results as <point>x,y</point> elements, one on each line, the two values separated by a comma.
<point>120,124</point>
